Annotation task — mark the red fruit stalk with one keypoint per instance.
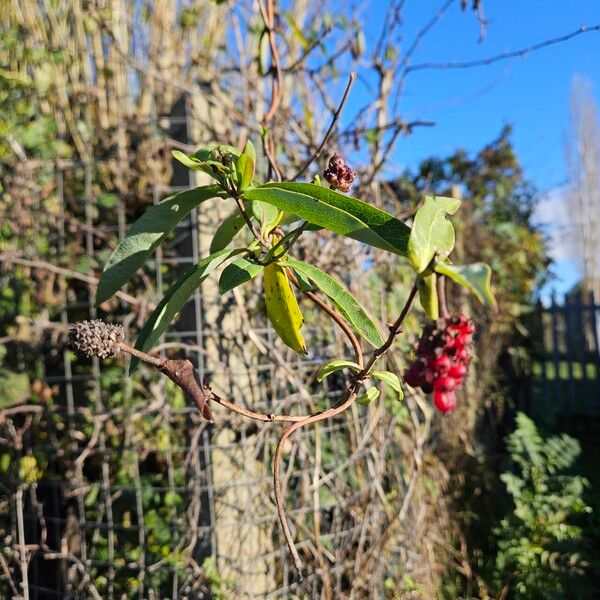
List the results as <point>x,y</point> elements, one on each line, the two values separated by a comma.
<point>443,357</point>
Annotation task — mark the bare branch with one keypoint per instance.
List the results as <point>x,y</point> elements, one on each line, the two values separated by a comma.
<point>502,56</point>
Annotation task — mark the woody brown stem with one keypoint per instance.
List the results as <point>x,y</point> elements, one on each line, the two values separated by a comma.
<point>183,374</point>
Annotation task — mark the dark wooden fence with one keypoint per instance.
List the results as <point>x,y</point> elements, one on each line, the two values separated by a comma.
<point>566,357</point>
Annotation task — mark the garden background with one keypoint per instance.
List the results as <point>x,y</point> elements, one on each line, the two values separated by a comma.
<point>113,486</point>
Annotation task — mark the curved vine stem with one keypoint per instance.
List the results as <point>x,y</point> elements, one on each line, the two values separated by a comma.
<point>330,412</point>
<point>394,330</point>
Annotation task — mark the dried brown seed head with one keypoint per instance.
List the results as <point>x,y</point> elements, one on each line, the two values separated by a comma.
<point>95,338</point>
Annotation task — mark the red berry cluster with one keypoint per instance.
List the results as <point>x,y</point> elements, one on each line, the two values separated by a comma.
<point>443,357</point>
<point>338,174</point>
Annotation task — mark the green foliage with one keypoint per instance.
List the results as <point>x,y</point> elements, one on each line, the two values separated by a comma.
<point>431,232</point>
<point>240,271</point>
<point>369,396</point>
<point>476,278</point>
<point>146,234</point>
<point>336,212</point>
<point>539,546</point>
<point>336,365</point>
<point>178,294</point>
<point>342,298</point>
<point>229,227</point>
<point>392,380</point>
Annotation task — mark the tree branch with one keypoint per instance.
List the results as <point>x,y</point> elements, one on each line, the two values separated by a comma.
<point>502,56</point>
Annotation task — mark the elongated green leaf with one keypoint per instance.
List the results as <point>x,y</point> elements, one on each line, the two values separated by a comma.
<point>226,231</point>
<point>337,212</point>
<point>177,295</point>
<point>184,159</point>
<point>245,171</point>
<point>391,379</point>
<point>250,151</point>
<point>146,234</point>
<point>475,277</point>
<point>303,282</point>
<point>240,271</point>
<point>431,231</point>
<point>371,394</point>
<point>336,365</point>
<point>343,299</point>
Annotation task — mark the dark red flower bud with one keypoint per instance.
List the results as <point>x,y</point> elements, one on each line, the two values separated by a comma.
<point>338,174</point>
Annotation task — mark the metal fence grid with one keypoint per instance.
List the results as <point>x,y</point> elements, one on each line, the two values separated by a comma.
<point>148,501</point>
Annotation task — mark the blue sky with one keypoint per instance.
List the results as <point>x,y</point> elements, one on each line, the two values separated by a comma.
<point>471,106</point>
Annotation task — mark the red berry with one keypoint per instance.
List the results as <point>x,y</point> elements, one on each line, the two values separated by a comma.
<point>444,384</point>
<point>457,371</point>
<point>441,363</point>
<point>444,401</point>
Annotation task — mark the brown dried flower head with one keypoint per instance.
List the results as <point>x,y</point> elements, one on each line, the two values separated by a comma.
<point>95,338</point>
<point>338,174</point>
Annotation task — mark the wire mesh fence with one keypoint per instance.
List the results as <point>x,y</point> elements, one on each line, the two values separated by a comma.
<point>117,489</point>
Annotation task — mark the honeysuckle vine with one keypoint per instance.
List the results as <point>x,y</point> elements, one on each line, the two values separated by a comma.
<point>275,215</point>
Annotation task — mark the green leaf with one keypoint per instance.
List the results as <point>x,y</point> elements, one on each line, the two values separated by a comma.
<point>336,365</point>
<point>428,295</point>
<point>250,151</point>
<point>371,394</point>
<point>390,379</point>
<point>245,170</point>
<point>177,295</point>
<point>475,277</point>
<point>184,159</point>
<point>337,212</point>
<point>343,299</point>
<point>267,215</point>
<point>303,281</point>
<point>226,231</point>
<point>431,231</point>
<point>146,234</point>
<point>237,273</point>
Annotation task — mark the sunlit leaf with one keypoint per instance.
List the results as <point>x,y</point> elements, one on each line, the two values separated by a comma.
<point>390,379</point>
<point>240,271</point>
<point>431,231</point>
<point>336,365</point>
<point>146,234</point>
<point>475,277</point>
<point>371,394</point>
<point>343,299</point>
<point>336,212</point>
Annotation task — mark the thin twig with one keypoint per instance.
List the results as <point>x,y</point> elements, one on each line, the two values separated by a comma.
<point>394,331</point>
<point>246,217</point>
<point>334,120</point>
<point>502,56</point>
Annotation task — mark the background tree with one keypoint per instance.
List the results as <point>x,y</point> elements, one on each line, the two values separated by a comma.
<point>582,197</point>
